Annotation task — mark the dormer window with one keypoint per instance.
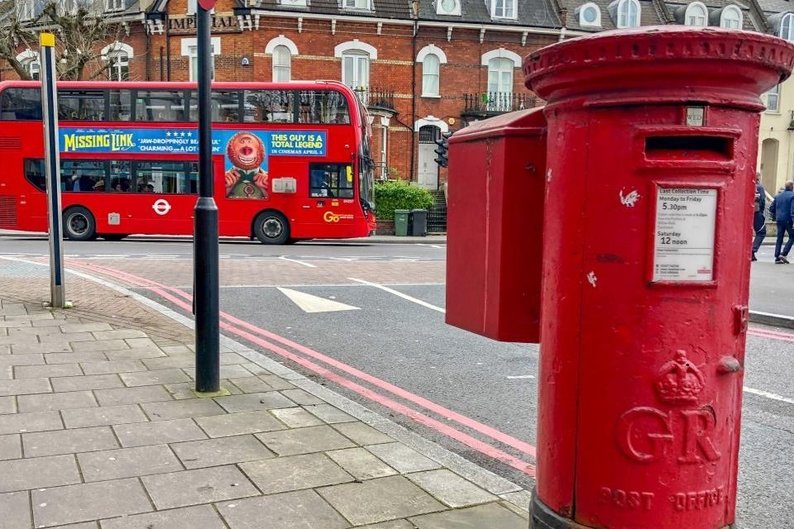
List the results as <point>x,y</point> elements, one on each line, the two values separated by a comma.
<point>356,4</point>
<point>628,14</point>
<point>114,5</point>
<point>25,9</point>
<point>448,7</point>
<point>787,27</point>
<point>503,8</point>
<point>731,18</point>
<point>293,3</point>
<point>696,15</point>
<point>589,16</point>
<point>192,7</point>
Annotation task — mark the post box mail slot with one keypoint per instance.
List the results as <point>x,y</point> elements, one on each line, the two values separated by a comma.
<point>494,226</point>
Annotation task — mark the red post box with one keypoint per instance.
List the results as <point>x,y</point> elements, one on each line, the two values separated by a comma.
<point>494,219</point>
<point>652,149</point>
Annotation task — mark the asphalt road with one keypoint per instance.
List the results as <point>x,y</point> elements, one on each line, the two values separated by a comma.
<point>399,336</point>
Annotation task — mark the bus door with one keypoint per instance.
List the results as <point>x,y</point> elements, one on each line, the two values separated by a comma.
<point>332,192</point>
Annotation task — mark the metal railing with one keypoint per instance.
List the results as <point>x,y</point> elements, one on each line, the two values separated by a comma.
<point>497,102</point>
<point>375,97</point>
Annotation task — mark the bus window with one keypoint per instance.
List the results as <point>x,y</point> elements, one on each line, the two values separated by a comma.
<point>34,172</point>
<point>193,178</point>
<point>163,177</point>
<point>277,106</point>
<point>323,106</point>
<point>331,180</point>
<point>120,177</point>
<point>84,175</point>
<point>225,106</point>
<point>120,105</point>
<point>20,103</point>
<point>155,105</point>
<point>81,105</point>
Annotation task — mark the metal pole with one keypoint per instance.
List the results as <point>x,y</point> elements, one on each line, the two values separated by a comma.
<point>52,167</point>
<point>205,241</point>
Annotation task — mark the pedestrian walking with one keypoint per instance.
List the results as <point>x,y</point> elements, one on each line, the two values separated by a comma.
<point>781,209</point>
<point>759,216</point>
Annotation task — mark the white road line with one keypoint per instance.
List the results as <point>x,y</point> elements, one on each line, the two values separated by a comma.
<point>285,258</point>
<point>768,395</point>
<point>517,377</point>
<point>313,304</point>
<point>400,294</point>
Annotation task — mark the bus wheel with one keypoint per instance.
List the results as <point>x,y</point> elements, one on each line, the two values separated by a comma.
<point>114,236</point>
<point>79,224</point>
<point>271,227</point>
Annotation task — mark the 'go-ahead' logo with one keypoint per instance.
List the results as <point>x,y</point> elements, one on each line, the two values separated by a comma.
<point>161,206</point>
<point>330,216</point>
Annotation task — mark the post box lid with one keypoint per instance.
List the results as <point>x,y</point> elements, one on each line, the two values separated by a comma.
<point>663,61</point>
<point>529,122</point>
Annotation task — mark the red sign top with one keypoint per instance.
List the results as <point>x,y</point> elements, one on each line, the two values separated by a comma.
<point>207,4</point>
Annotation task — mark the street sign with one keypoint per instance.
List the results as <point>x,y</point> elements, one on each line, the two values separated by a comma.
<point>207,4</point>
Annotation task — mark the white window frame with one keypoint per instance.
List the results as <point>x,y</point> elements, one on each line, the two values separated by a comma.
<point>282,64</point>
<point>624,13</point>
<point>787,27</point>
<point>584,23</point>
<point>455,11</point>
<point>772,97</point>
<point>30,60</point>
<point>696,15</point>
<point>509,9</point>
<point>731,15</point>
<point>506,57</point>
<point>439,54</point>
<point>116,51</point>
<point>357,4</point>
<point>114,5</point>
<point>271,47</point>
<point>356,51</point>
<point>25,9</point>
<point>189,49</point>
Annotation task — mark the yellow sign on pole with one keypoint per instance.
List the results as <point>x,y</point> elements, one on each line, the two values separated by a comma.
<point>47,40</point>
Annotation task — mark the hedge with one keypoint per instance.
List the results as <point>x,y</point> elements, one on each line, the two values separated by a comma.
<point>398,194</point>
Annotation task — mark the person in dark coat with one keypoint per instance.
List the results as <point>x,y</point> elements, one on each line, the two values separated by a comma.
<point>759,217</point>
<point>781,210</point>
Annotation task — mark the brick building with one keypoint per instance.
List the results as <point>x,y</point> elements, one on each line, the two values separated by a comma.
<point>423,66</point>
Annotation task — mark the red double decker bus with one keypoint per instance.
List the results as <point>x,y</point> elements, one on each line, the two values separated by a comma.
<point>291,161</point>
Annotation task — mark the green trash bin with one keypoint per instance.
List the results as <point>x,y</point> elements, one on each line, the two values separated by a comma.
<point>401,222</point>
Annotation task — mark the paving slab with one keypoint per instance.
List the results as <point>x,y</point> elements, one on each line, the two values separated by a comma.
<point>361,463</point>
<point>403,458</point>
<point>160,432</point>
<point>30,422</point>
<point>89,501</point>
<point>56,401</point>
<point>395,524</point>
<point>194,487</point>
<point>8,405</point>
<point>220,451</point>
<point>74,358</point>
<point>251,384</point>
<point>30,359</point>
<point>154,378</point>
<point>22,474</point>
<point>276,382</point>
<point>39,348</point>
<point>330,414</point>
<point>291,510</point>
<point>181,409</point>
<point>25,386</point>
<point>119,334</point>
<point>15,509</point>
<point>127,462</point>
<point>68,441</point>
<point>103,415</point>
<point>137,353</point>
<point>169,362</point>
<point>139,395</point>
<point>239,423</point>
<point>491,515</point>
<point>254,401</point>
<point>362,434</point>
<point>296,417</point>
<point>10,447</point>
<point>299,396</point>
<point>70,338</point>
<point>286,474</point>
<point>87,382</point>
<point>47,371</point>
<point>451,489</point>
<point>199,517</point>
<point>85,327</point>
<point>304,440</point>
<point>112,366</point>
<point>380,500</point>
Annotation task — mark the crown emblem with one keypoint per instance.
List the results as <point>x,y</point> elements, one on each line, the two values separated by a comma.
<point>679,381</point>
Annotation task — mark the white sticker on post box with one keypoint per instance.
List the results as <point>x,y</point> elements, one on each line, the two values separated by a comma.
<point>685,224</point>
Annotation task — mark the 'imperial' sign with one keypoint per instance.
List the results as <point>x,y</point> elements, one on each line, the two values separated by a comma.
<point>187,24</point>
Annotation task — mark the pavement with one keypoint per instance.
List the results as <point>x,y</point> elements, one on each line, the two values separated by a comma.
<point>100,428</point>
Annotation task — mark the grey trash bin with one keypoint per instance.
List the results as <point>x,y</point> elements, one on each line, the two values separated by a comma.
<point>417,225</point>
<point>401,222</point>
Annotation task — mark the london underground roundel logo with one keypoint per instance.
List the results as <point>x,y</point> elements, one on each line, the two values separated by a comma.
<point>161,206</point>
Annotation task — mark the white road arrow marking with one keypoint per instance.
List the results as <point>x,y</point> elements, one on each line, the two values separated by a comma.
<point>312,304</point>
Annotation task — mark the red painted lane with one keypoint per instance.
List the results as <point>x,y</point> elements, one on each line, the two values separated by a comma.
<point>489,450</point>
<point>772,335</point>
